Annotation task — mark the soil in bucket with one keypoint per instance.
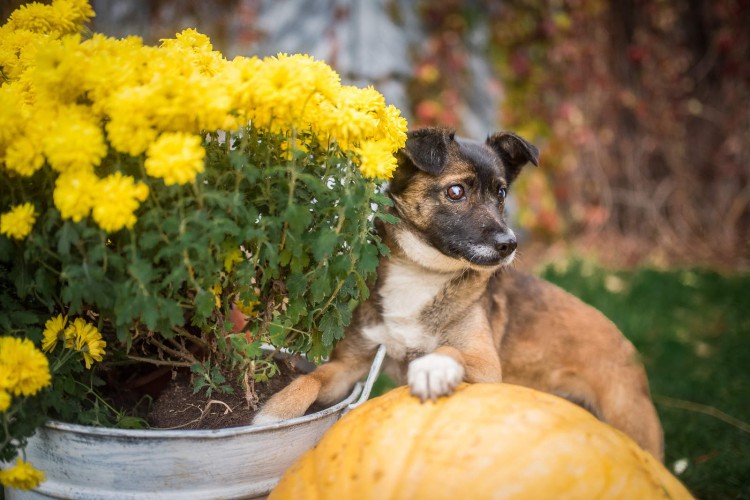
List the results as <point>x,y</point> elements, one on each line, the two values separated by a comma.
<point>171,402</point>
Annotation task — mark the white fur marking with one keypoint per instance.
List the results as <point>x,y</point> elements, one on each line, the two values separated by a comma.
<point>483,251</point>
<point>434,375</point>
<point>407,289</point>
<point>262,418</point>
<point>426,255</point>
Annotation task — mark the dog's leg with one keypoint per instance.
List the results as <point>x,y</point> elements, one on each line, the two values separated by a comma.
<point>439,373</point>
<point>327,384</point>
<point>626,405</point>
<point>482,361</point>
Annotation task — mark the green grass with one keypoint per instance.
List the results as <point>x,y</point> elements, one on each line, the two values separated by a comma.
<point>692,328</point>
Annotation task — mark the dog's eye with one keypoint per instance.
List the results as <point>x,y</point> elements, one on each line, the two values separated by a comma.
<point>455,192</point>
<point>501,193</point>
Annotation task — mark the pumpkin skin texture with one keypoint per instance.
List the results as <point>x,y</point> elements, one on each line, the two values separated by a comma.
<point>484,441</point>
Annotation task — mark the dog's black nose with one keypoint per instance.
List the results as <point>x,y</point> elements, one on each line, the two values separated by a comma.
<point>505,244</point>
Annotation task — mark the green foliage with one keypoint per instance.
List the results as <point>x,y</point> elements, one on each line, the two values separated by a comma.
<point>691,328</point>
<point>286,234</point>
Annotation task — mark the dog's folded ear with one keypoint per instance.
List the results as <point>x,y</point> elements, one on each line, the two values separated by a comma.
<point>515,152</point>
<point>427,148</point>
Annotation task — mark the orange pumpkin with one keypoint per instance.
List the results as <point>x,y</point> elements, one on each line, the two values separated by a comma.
<point>485,441</point>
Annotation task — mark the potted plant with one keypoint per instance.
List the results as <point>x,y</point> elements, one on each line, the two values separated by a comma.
<point>147,191</point>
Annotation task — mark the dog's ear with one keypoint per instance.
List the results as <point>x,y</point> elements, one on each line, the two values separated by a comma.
<point>515,152</point>
<point>427,148</point>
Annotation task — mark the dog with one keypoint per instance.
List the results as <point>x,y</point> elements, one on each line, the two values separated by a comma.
<point>449,309</point>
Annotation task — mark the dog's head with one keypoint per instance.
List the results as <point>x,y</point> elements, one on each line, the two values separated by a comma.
<point>450,195</point>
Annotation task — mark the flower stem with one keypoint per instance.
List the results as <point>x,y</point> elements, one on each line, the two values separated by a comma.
<point>158,362</point>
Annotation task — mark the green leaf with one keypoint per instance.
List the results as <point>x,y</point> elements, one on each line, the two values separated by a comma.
<point>364,291</point>
<point>331,326</point>
<point>253,350</point>
<point>205,302</point>
<point>285,257</point>
<point>300,262</point>
<point>345,311</point>
<point>318,350</point>
<point>324,244</point>
<point>237,159</point>
<point>6,249</point>
<point>386,217</point>
<point>320,287</point>
<point>67,235</point>
<point>296,309</point>
<point>142,271</point>
<point>149,240</point>
<point>199,384</point>
<point>298,217</point>
<point>296,284</point>
<point>69,385</point>
<point>128,422</point>
<point>149,312</point>
<point>172,311</point>
<point>277,333</point>
<point>369,258</point>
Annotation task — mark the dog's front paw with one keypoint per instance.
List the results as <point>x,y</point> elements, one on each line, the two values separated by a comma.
<point>262,418</point>
<point>434,375</point>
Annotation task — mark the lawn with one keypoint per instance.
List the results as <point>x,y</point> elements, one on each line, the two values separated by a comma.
<point>692,328</point>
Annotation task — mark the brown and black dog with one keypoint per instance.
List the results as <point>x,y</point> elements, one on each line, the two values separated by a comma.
<point>448,310</point>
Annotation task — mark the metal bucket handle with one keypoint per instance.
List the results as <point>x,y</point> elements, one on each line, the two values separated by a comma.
<point>377,363</point>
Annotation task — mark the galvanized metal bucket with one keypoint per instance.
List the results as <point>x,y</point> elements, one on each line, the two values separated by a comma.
<point>242,462</point>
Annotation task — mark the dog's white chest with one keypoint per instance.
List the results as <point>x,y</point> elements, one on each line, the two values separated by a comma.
<point>405,292</point>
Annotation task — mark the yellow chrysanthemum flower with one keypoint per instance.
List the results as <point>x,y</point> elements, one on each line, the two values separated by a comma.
<point>36,17</point>
<point>12,118</point>
<point>59,70</point>
<point>88,340</point>
<point>62,17</point>
<point>350,118</point>
<point>74,194</point>
<point>113,65</point>
<point>175,157</point>
<point>130,138</point>
<point>285,90</point>
<point>54,332</point>
<point>23,156</point>
<point>22,476</point>
<point>117,198</point>
<point>392,127</point>
<point>75,146</point>
<point>188,39</point>
<point>130,132</point>
<point>24,369</point>
<point>75,142</point>
<point>239,75</point>
<point>5,401</point>
<point>186,101</point>
<point>376,160</point>
<point>78,12</point>
<point>18,222</point>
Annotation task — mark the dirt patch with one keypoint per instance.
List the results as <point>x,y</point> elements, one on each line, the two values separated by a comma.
<point>178,407</point>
